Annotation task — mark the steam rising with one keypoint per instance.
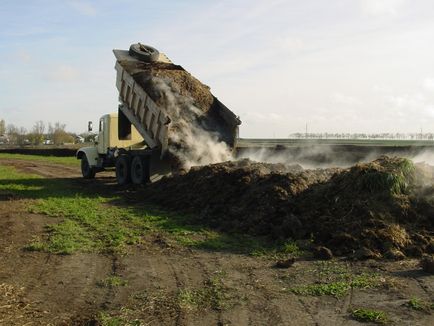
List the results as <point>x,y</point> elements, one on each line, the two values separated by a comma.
<point>424,157</point>
<point>189,141</point>
<point>324,156</point>
<point>192,144</point>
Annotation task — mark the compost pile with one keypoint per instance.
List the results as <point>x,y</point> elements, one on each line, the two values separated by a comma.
<point>371,210</point>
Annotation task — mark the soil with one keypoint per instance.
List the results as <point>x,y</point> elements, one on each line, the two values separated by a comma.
<point>371,210</point>
<point>44,289</point>
<point>179,80</point>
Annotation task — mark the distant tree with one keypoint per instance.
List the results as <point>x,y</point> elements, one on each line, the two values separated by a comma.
<point>59,135</point>
<point>12,132</point>
<point>89,137</point>
<point>2,127</point>
<point>36,137</point>
<point>16,135</point>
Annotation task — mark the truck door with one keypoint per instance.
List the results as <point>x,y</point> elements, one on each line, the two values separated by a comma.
<point>102,137</point>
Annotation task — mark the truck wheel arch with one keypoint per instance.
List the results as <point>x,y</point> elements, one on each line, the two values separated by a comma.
<point>90,153</point>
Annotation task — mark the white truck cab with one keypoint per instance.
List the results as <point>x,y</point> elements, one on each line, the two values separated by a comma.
<point>109,145</point>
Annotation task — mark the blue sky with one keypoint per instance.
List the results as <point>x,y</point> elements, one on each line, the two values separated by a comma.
<point>338,65</point>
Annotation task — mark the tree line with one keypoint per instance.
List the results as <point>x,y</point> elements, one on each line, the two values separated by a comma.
<point>372,136</point>
<point>40,133</point>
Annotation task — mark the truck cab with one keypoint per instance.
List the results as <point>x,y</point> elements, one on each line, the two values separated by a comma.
<point>111,143</point>
<point>110,137</point>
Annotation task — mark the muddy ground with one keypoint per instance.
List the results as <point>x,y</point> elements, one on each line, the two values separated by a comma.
<point>38,288</point>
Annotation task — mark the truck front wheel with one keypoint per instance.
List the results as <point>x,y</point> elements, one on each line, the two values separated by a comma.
<point>123,173</point>
<point>139,170</point>
<point>86,170</point>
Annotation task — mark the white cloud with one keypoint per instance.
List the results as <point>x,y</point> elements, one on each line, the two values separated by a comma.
<point>344,99</point>
<point>428,84</point>
<point>63,73</point>
<point>24,56</point>
<point>381,7</point>
<point>289,44</point>
<point>83,7</point>
<point>407,101</point>
<point>266,117</point>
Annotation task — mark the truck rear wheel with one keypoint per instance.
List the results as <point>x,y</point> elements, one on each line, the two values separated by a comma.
<point>139,170</point>
<point>123,173</point>
<point>86,170</point>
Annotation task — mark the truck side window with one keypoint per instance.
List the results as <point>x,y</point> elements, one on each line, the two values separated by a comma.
<point>124,127</point>
<point>101,125</point>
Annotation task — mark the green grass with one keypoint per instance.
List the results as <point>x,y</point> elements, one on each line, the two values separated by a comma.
<point>104,319</point>
<point>71,161</point>
<point>66,237</point>
<point>392,177</point>
<point>88,224</point>
<point>10,174</point>
<point>211,295</point>
<point>420,305</point>
<point>369,316</point>
<point>112,281</point>
<point>202,238</point>
<point>337,280</point>
<point>339,288</point>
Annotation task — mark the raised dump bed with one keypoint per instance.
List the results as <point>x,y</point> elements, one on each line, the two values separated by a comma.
<point>144,108</point>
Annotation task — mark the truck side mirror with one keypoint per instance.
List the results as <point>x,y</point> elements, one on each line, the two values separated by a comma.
<point>89,126</point>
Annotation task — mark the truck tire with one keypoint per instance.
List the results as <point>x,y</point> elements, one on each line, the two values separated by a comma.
<point>139,170</point>
<point>123,173</point>
<point>144,52</point>
<point>87,171</point>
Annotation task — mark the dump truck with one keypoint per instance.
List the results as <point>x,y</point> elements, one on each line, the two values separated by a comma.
<point>135,139</point>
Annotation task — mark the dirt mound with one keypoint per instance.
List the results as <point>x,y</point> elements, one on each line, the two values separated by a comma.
<point>370,210</point>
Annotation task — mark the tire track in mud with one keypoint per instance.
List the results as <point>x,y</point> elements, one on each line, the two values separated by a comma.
<point>179,321</point>
<point>194,275</point>
<point>308,311</point>
<point>346,305</point>
<point>260,298</point>
<point>110,291</point>
<point>424,287</point>
<point>207,271</point>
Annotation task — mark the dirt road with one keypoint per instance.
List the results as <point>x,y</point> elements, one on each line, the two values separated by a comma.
<point>162,282</point>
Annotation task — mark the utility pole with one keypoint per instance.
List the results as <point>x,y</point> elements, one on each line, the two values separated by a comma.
<point>306,132</point>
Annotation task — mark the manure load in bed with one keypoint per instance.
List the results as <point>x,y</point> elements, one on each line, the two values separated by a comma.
<point>174,111</point>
